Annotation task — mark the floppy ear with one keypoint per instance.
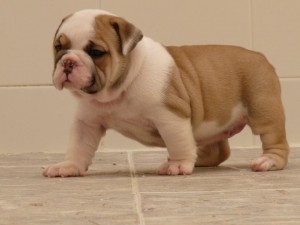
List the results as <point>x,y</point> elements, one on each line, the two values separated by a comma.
<point>128,34</point>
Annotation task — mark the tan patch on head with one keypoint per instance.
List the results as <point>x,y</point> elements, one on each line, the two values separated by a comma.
<point>60,45</point>
<point>110,34</point>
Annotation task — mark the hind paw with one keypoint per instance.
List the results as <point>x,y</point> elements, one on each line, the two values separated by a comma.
<point>264,163</point>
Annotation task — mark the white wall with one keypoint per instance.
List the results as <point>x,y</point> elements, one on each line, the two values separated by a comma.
<point>35,117</point>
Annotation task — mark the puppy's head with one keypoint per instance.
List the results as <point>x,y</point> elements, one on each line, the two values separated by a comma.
<point>91,51</point>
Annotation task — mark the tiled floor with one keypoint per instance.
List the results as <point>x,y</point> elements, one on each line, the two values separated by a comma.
<point>122,188</point>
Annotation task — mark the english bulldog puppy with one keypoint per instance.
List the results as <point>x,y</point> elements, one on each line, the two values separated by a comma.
<point>189,99</point>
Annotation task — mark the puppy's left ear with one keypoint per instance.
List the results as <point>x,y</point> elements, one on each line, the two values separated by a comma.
<point>128,34</point>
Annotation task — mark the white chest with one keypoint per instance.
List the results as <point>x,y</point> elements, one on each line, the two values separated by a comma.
<point>132,122</point>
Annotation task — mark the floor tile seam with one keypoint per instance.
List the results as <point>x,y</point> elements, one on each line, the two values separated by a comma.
<point>143,150</point>
<point>164,150</point>
<point>242,219</point>
<point>223,191</point>
<point>108,150</point>
<point>22,166</point>
<point>135,189</point>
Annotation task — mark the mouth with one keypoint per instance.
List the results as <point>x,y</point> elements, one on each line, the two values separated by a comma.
<point>67,81</point>
<point>66,84</point>
<point>92,88</point>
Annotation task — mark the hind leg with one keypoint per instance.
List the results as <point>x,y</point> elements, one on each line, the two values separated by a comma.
<point>266,116</point>
<point>213,154</point>
<point>269,123</point>
<point>275,151</point>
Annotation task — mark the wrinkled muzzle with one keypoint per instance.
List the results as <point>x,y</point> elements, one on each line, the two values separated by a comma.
<point>76,71</point>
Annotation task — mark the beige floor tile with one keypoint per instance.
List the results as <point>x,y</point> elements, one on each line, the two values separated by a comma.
<point>234,174</point>
<point>232,181</point>
<point>234,220</point>
<point>228,207</point>
<point>103,196</point>
<point>122,188</point>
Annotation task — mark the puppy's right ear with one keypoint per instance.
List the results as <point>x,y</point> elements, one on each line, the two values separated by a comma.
<point>128,34</point>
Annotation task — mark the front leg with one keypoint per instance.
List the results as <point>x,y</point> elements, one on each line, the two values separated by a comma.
<point>84,141</point>
<point>178,136</point>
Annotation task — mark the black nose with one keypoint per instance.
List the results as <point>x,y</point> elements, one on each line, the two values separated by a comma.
<point>68,66</point>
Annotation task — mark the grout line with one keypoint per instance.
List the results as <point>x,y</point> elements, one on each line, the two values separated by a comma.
<point>107,149</point>
<point>289,78</point>
<point>135,189</point>
<point>253,140</point>
<point>99,3</point>
<point>25,85</point>
<point>251,24</point>
<point>153,150</point>
<point>221,191</point>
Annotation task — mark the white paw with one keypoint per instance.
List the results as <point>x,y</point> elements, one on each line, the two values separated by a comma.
<point>263,163</point>
<point>64,169</point>
<point>179,167</point>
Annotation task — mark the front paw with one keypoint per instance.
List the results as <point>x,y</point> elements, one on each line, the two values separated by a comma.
<point>176,167</point>
<point>64,169</point>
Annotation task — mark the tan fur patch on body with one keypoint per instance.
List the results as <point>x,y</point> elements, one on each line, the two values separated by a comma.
<point>214,81</point>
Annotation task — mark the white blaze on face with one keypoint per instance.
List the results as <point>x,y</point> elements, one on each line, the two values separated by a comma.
<point>79,30</point>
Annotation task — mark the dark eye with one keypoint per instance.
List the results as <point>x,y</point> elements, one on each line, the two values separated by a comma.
<point>95,53</point>
<point>58,47</point>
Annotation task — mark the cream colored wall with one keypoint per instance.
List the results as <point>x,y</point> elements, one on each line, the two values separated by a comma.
<point>35,117</point>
